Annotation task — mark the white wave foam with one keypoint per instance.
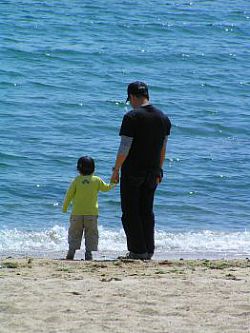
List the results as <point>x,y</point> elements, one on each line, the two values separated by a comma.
<point>205,241</point>
<point>192,244</point>
<point>54,239</point>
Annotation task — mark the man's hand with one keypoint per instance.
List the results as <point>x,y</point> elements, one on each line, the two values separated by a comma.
<point>115,177</point>
<point>158,180</point>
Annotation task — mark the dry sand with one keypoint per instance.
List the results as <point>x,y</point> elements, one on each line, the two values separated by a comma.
<point>38,295</point>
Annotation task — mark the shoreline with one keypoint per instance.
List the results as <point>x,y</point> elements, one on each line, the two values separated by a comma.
<point>52,243</point>
<point>52,295</point>
<point>113,255</point>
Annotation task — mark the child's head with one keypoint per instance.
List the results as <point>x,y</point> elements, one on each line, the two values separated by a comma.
<point>86,165</point>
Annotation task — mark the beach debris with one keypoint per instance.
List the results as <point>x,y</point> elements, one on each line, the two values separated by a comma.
<point>232,277</point>
<point>110,279</point>
<point>75,293</point>
<point>165,262</point>
<point>117,263</point>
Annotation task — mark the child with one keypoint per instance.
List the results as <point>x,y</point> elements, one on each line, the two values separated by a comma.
<point>83,193</point>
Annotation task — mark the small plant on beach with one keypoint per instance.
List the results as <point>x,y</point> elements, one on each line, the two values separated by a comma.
<point>64,269</point>
<point>177,271</point>
<point>215,264</point>
<point>9,264</point>
<point>160,271</point>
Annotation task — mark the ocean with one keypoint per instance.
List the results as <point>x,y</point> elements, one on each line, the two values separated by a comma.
<point>65,66</point>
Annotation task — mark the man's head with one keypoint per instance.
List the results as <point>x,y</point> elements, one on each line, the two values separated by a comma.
<point>137,91</point>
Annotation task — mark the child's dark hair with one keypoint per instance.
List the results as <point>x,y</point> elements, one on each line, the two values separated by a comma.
<point>86,165</point>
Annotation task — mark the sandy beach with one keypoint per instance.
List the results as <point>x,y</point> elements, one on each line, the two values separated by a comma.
<point>40,295</point>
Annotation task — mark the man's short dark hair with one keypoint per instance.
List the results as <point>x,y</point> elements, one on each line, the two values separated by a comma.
<point>138,89</point>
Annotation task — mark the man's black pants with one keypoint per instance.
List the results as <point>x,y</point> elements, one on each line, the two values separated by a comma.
<point>137,199</point>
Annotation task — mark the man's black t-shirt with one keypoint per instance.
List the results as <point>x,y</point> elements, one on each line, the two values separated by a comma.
<point>148,127</point>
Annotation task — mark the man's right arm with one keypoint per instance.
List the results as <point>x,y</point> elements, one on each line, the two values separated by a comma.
<point>162,157</point>
<point>163,151</point>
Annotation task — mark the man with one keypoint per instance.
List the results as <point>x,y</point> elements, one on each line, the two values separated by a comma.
<point>141,154</point>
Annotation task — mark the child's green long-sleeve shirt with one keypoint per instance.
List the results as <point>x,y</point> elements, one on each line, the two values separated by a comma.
<point>83,193</point>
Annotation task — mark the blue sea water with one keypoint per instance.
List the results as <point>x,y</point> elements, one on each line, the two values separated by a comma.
<point>65,66</point>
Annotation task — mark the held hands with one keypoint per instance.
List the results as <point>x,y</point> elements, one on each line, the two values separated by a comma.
<point>158,180</point>
<point>115,176</point>
<point>159,177</point>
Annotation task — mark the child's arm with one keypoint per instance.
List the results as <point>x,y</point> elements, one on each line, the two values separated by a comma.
<point>104,187</point>
<point>69,196</point>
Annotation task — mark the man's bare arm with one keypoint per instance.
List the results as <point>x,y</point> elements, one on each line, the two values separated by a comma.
<point>122,154</point>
